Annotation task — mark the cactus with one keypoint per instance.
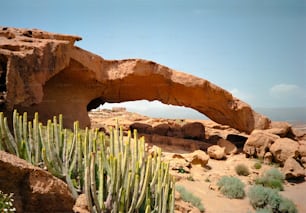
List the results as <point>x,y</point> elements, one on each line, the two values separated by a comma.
<point>136,181</point>
<point>50,146</point>
<point>116,175</point>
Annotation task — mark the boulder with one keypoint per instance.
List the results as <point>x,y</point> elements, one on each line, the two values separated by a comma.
<point>141,128</point>
<point>175,131</point>
<point>282,129</point>
<point>35,190</point>
<point>194,131</point>
<point>258,143</point>
<point>268,158</point>
<point>230,148</point>
<point>185,144</point>
<point>302,148</point>
<point>303,161</point>
<point>179,163</point>
<point>299,132</point>
<point>198,157</point>
<point>216,152</point>
<point>292,169</point>
<point>81,204</point>
<point>284,148</point>
<point>46,73</point>
<point>161,129</point>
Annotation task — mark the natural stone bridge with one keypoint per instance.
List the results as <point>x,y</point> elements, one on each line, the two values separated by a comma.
<point>45,72</point>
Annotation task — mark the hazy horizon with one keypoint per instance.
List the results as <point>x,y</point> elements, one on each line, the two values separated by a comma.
<point>159,110</point>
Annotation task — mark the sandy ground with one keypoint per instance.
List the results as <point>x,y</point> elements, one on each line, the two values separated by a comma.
<point>202,181</point>
<point>215,202</point>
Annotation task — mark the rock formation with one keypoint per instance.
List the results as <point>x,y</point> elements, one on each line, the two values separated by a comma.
<point>45,72</point>
<point>35,190</point>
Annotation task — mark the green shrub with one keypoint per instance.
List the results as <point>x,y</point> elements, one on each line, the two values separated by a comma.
<point>189,197</point>
<point>287,206</point>
<point>269,199</point>
<point>275,174</point>
<point>231,187</point>
<point>6,202</point>
<point>272,178</point>
<point>257,165</point>
<point>242,169</point>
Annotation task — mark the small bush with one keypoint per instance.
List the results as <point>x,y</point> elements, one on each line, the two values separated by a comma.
<point>189,197</point>
<point>272,178</point>
<point>257,165</point>
<point>287,206</point>
<point>6,202</point>
<point>231,187</point>
<point>275,174</point>
<point>262,198</point>
<point>242,169</point>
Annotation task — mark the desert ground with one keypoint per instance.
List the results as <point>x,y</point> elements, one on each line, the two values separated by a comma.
<point>201,181</point>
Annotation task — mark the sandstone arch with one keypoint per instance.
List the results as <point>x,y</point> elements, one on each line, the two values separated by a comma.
<point>46,73</point>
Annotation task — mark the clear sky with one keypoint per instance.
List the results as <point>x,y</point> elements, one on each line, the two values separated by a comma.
<point>255,49</point>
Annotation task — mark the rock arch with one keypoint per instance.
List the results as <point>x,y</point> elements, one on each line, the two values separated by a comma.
<point>67,79</point>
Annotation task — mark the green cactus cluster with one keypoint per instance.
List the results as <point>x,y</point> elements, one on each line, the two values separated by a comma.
<point>116,173</point>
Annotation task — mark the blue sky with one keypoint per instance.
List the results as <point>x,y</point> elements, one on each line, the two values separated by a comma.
<point>255,49</point>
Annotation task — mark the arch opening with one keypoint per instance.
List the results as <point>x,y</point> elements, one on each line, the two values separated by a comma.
<point>94,104</point>
<point>155,109</point>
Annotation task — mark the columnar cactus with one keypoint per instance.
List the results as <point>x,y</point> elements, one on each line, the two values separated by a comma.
<point>117,175</point>
<point>124,178</point>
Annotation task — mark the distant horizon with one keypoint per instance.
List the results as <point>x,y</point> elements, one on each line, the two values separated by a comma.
<point>157,109</point>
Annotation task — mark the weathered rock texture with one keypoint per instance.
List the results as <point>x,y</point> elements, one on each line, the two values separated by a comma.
<point>35,190</point>
<point>45,72</point>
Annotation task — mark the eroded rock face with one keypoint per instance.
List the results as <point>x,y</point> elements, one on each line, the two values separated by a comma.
<point>292,169</point>
<point>258,143</point>
<point>284,148</point>
<point>45,72</point>
<point>35,190</point>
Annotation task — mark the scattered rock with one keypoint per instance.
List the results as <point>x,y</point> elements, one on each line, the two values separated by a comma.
<point>194,131</point>
<point>230,148</point>
<point>302,148</point>
<point>213,139</point>
<point>141,128</point>
<point>292,169</point>
<point>179,163</point>
<point>259,143</point>
<point>284,148</point>
<point>282,129</point>
<point>303,161</point>
<point>216,152</point>
<point>81,205</point>
<point>268,158</point>
<point>299,132</point>
<point>35,190</point>
<point>198,157</point>
<point>161,129</point>
<point>175,130</point>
